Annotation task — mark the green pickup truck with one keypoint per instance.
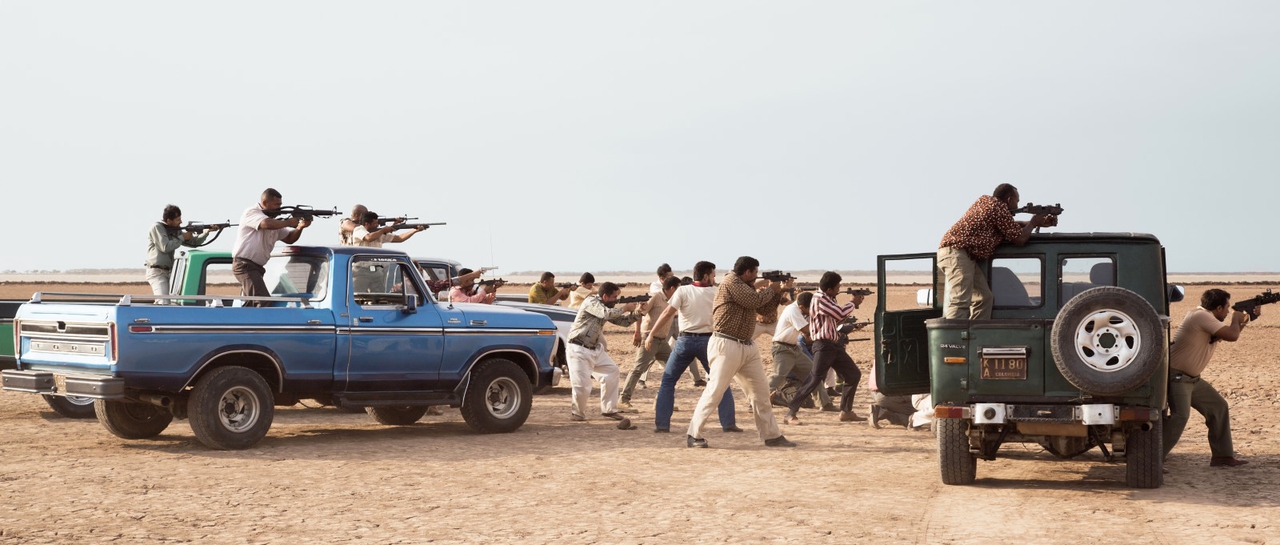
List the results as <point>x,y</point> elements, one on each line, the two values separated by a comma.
<point>1075,357</point>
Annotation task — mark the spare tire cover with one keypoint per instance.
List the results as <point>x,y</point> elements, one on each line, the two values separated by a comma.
<point>1108,341</point>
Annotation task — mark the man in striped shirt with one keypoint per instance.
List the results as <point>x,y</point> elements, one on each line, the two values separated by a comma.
<point>828,350</point>
<point>733,353</point>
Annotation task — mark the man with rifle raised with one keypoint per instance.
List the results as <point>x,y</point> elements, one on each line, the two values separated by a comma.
<point>259,231</point>
<point>164,239</point>
<point>587,351</point>
<point>370,235</point>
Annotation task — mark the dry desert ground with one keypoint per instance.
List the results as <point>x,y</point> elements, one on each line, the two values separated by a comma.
<point>321,476</point>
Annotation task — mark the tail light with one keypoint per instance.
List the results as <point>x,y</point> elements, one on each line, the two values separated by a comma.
<point>115,349</point>
<point>944,411</point>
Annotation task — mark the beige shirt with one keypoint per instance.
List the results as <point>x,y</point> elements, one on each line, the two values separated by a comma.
<point>1192,347</point>
<point>577,296</point>
<point>357,238</point>
<point>694,305</point>
<point>255,243</point>
<point>657,304</point>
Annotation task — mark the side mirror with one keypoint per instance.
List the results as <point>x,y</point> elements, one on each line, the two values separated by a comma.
<point>410,304</point>
<point>1176,293</point>
<point>924,297</point>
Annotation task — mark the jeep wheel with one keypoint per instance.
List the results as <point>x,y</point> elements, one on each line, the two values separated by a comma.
<point>1144,457</point>
<point>1108,341</point>
<point>71,406</point>
<point>397,416</point>
<point>231,408</point>
<point>498,397</point>
<point>132,420</point>
<point>957,465</point>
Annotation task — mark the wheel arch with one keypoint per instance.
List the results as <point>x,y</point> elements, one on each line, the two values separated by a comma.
<point>520,355</point>
<point>260,359</point>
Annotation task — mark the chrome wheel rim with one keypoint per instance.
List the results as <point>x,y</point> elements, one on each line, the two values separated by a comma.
<point>502,398</point>
<point>239,408</point>
<point>77,400</point>
<point>1108,341</point>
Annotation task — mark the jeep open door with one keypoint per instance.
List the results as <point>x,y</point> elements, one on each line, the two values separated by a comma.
<point>902,350</point>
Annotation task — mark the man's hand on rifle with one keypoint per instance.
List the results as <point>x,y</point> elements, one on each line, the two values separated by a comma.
<point>636,340</point>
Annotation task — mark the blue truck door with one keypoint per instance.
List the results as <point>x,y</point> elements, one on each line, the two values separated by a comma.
<point>902,341</point>
<point>392,347</point>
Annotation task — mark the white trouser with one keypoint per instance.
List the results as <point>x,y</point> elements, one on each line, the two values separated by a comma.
<point>159,280</point>
<point>586,364</point>
<point>731,359</point>
<point>924,410</point>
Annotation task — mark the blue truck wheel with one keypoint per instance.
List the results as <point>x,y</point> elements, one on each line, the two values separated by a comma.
<point>498,397</point>
<point>129,420</point>
<point>71,406</point>
<point>231,408</point>
<point>397,416</point>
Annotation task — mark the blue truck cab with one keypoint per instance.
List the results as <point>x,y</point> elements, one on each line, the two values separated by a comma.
<point>351,325</point>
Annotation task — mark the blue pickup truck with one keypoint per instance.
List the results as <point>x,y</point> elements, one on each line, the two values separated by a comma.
<point>351,324</point>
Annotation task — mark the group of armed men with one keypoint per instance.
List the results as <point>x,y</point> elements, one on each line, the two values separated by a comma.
<point>717,323</point>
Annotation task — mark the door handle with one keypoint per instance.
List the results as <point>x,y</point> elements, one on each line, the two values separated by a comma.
<point>885,353</point>
<point>365,319</point>
<point>479,322</point>
<point>313,322</point>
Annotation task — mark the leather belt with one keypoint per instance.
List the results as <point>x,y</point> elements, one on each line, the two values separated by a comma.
<point>686,334</point>
<point>582,344</point>
<point>792,345</point>
<point>734,339</point>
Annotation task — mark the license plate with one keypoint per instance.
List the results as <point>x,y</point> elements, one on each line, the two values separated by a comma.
<point>1004,368</point>
<point>60,383</point>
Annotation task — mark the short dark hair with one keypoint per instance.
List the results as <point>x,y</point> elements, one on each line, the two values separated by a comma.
<point>464,271</point>
<point>671,282</point>
<point>587,278</point>
<point>609,288</point>
<point>172,212</point>
<point>805,298</point>
<point>663,270</point>
<point>830,279</point>
<point>1214,298</point>
<point>1004,191</point>
<point>744,264</point>
<point>271,193</point>
<point>686,280</point>
<point>703,268</point>
<point>547,276</point>
<point>368,217</point>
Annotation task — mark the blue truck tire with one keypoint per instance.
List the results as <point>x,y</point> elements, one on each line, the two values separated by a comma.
<point>129,420</point>
<point>397,416</point>
<point>231,408</point>
<point>71,406</point>
<point>498,397</point>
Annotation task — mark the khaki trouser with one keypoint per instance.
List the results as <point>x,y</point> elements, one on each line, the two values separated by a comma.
<point>586,364</point>
<point>731,359</point>
<point>968,296</point>
<point>159,280</point>
<point>1198,394</point>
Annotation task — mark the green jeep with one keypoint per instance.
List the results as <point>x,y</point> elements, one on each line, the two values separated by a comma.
<point>1076,354</point>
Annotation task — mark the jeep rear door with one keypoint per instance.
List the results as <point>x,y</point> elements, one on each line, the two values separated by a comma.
<point>902,350</point>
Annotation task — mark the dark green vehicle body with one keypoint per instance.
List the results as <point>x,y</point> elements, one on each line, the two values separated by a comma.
<point>919,352</point>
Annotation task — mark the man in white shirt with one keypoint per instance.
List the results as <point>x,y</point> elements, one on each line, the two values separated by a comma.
<point>255,239</point>
<point>693,304</point>
<point>787,356</point>
<point>369,235</point>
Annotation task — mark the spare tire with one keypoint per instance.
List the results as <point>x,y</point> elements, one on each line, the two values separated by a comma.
<point>1108,341</point>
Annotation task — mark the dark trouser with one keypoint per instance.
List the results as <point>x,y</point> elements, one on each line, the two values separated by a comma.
<point>829,355</point>
<point>1185,394</point>
<point>896,409</point>
<point>687,349</point>
<point>251,284</point>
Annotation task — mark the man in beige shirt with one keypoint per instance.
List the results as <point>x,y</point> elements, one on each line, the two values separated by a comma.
<point>1193,346</point>
<point>659,349</point>
<point>586,287</point>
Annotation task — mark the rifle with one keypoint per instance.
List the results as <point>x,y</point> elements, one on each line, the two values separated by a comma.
<point>1250,306</point>
<point>193,228</point>
<point>849,325</point>
<point>569,285</point>
<point>400,226</point>
<point>495,282</point>
<point>633,299</point>
<point>301,211</point>
<point>1037,209</point>
<point>776,276</point>
<point>383,222</point>
<point>859,291</point>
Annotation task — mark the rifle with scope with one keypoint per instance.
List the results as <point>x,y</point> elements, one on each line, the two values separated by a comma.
<point>1250,306</point>
<point>196,228</point>
<point>301,211</point>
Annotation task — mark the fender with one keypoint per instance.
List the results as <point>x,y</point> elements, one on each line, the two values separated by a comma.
<point>239,349</point>
<point>523,351</point>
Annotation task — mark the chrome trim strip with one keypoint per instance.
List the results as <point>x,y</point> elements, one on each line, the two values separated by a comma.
<point>235,329</point>
<point>279,368</point>
<point>63,337</point>
<point>495,331</point>
<point>385,330</point>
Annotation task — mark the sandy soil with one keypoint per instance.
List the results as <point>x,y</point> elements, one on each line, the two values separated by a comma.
<point>324,476</point>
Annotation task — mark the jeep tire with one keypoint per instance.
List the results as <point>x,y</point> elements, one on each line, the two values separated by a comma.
<point>1144,457</point>
<point>130,420</point>
<point>71,406</point>
<point>397,416</point>
<point>958,466</point>
<point>1108,341</point>
<point>231,408</point>
<point>498,397</point>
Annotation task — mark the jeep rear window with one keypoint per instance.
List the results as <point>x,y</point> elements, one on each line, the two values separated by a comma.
<point>1017,282</point>
<point>1080,273</point>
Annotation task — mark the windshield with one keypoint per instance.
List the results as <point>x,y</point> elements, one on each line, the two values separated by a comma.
<point>298,276</point>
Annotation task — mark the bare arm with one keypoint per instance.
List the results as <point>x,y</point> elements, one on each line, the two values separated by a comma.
<point>1231,333</point>
<point>661,324</point>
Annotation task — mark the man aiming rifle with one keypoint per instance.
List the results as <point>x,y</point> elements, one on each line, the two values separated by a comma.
<point>163,241</point>
<point>259,231</point>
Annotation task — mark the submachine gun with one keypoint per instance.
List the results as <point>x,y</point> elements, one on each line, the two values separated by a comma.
<point>849,325</point>
<point>1250,306</point>
<point>1037,209</point>
<point>197,227</point>
<point>633,299</point>
<point>776,276</point>
<point>383,222</point>
<point>495,282</point>
<point>301,211</point>
<point>567,285</point>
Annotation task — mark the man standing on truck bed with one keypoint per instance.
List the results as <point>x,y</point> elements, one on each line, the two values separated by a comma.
<point>165,238</point>
<point>257,236</point>
<point>987,223</point>
<point>1192,349</point>
<point>369,235</point>
<point>348,225</point>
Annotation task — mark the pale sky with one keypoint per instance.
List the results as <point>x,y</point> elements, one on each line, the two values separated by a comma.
<point>615,136</point>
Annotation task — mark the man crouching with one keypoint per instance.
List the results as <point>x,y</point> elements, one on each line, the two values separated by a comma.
<point>587,354</point>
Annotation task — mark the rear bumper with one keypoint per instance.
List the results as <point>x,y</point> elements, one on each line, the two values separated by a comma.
<point>46,383</point>
<point>1086,414</point>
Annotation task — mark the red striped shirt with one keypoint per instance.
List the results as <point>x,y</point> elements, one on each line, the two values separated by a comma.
<point>824,315</point>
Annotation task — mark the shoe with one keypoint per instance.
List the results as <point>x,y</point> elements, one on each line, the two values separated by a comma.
<point>779,441</point>
<point>614,416</point>
<point>874,410</point>
<point>625,407</point>
<point>691,442</point>
<point>850,416</point>
<point>434,410</point>
<point>661,430</point>
<point>829,408</point>
<point>791,420</point>
<point>776,399</point>
<point>577,418</point>
<point>700,383</point>
<point>733,429</point>
<point>642,385</point>
<point>832,392</point>
<point>1226,461</point>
